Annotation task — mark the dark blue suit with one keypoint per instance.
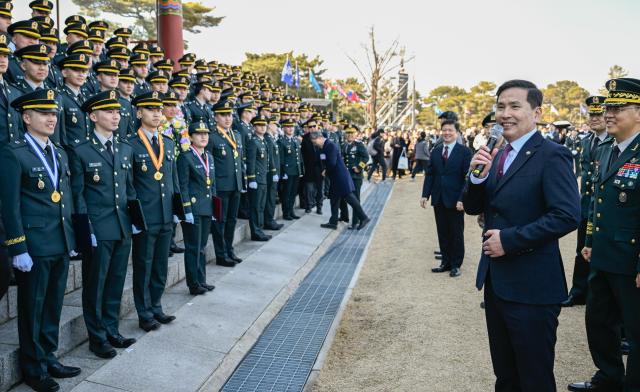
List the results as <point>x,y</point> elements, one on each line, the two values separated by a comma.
<point>534,204</point>
<point>444,183</point>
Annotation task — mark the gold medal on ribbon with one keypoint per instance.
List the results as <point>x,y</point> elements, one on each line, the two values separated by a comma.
<point>157,176</point>
<point>208,181</point>
<point>96,177</point>
<point>55,197</point>
<point>40,184</point>
<point>156,160</point>
<point>235,153</point>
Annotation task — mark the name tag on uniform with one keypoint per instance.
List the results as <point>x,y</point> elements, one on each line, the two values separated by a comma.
<point>37,169</point>
<point>95,164</point>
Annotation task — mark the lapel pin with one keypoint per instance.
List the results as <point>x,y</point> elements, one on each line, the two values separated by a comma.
<point>528,152</point>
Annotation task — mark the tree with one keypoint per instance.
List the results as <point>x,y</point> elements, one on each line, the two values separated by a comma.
<point>143,12</point>
<point>565,96</point>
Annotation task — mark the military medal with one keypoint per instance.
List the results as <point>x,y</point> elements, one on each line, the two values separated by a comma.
<point>235,153</point>
<point>622,197</point>
<point>205,163</point>
<point>231,140</point>
<point>208,181</point>
<point>143,167</point>
<point>261,156</point>
<point>224,152</point>
<point>156,160</point>
<point>74,119</point>
<point>96,177</point>
<point>53,173</point>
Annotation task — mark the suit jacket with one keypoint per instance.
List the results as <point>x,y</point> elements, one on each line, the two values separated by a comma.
<point>445,183</point>
<point>534,204</point>
<point>310,160</point>
<point>341,182</point>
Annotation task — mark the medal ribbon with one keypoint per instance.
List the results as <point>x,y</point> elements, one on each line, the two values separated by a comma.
<point>226,136</point>
<point>53,174</point>
<point>205,164</point>
<point>157,162</point>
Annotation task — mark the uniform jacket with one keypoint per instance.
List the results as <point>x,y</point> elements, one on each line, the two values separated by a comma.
<point>197,195</point>
<point>258,162</point>
<point>355,158</point>
<point>290,161</point>
<point>230,169</point>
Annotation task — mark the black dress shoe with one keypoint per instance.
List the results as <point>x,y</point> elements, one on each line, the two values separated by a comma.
<point>441,268</point>
<point>259,237</point>
<point>573,300</point>
<point>329,226</point>
<point>235,258</point>
<point>319,211</point>
<point>352,227</point>
<point>208,287</point>
<point>455,272</point>
<point>364,223</point>
<point>437,252</point>
<point>438,257</point>
<point>344,219</point>
<point>287,218</point>
<point>176,249</point>
<point>482,306</point>
<point>591,386</point>
<point>225,262</point>
<point>120,341</point>
<point>102,350</point>
<point>274,226</point>
<point>197,290</point>
<point>42,384</point>
<point>164,318</point>
<point>58,370</point>
<point>294,216</point>
<point>149,325</point>
<point>307,210</point>
<point>624,347</point>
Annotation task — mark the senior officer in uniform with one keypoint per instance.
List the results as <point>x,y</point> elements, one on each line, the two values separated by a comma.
<point>196,175</point>
<point>102,184</point>
<point>592,147</point>
<point>612,247</point>
<point>290,167</point>
<point>155,180</point>
<point>258,168</point>
<point>36,210</point>
<point>355,159</point>
<point>225,145</point>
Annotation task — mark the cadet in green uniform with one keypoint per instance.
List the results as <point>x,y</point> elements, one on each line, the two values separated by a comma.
<point>613,244</point>
<point>23,33</point>
<point>196,174</point>
<point>75,122</point>
<point>126,80</point>
<point>591,148</point>
<point>355,158</point>
<point>273,177</point>
<point>102,184</point>
<point>140,63</point>
<point>258,168</point>
<point>225,145</point>
<point>10,121</point>
<point>155,181</point>
<point>198,109</point>
<point>291,167</point>
<point>36,200</point>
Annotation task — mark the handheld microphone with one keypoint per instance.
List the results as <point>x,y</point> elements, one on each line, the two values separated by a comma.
<point>494,136</point>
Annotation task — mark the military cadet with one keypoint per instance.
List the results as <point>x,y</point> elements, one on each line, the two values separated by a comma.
<point>70,20</point>
<point>5,15</point>
<point>198,109</point>
<point>126,81</point>
<point>120,54</point>
<point>96,37</point>
<point>10,121</point>
<point>355,157</point>
<point>107,74</point>
<point>41,8</point>
<point>246,112</point>
<point>258,168</point>
<point>196,176</point>
<point>37,203</point>
<point>273,176</point>
<point>49,37</point>
<point>225,145</point>
<point>156,54</point>
<point>140,63</point>
<point>102,184</point>
<point>24,33</point>
<point>180,85</point>
<point>159,81</point>
<point>612,246</point>
<point>591,148</point>
<point>290,168</point>
<point>156,182</point>
<point>75,122</point>
<point>124,33</point>
<point>76,31</point>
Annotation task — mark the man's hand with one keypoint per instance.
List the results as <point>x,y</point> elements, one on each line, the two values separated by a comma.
<point>492,247</point>
<point>638,281</point>
<point>423,202</point>
<point>483,157</point>
<point>355,169</point>
<point>459,206</point>
<point>586,253</point>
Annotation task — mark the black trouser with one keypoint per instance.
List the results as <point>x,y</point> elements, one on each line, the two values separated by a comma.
<point>581,266</point>
<point>314,193</point>
<point>613,302</point>
<point>394,164</point>
<point>419,165</point>
<point>289,195</point>
<point>270,202</point>
<point>302,192</point>
<point>243,209</point>
<point>344,211</point>
<point>150,262</point>
<point>450,226</point>
<point>40,296</point>
<point>103,276</point>
<point>223,229</point>
<point>358,212</point>
<point>522,340</point>
<point>257,200</point>
<point>195,240</point>
<point>378,160</point>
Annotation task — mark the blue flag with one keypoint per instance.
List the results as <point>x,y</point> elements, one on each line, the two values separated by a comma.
<point>297,76</point>
<point>437,110</point>
<point>287,73</point>
<point>314,82</point>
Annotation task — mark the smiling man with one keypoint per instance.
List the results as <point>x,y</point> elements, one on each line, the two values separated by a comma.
<point>529,197</point>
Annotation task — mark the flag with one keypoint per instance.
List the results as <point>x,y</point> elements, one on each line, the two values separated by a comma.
<point>553,109</point>
<point>314,82</point>
<point>297,76</point>
<point>437,110</point>
<point>287,73</point>
<point>583,109</point>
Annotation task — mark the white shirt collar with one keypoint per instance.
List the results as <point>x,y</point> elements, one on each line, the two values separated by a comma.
<point>517,144</point>
<point>103,139</point>
<point>150,135</point>
<point>450,145</point>
<point>622,146</point>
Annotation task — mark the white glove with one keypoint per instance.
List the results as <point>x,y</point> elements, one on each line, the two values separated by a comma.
<point>23,262</point>
<point>243,190</point>
<point>213,218</point>
<point>73,253</point>
<point>94,241</point>
<point>275,178</point>
<point>285,176</point>
<point>189,218</point>
<point>253,185</point>
<point>175,219</point>
<point>135,230</point>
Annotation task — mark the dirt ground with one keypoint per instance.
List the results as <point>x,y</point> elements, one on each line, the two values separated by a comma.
<point>408,329</point>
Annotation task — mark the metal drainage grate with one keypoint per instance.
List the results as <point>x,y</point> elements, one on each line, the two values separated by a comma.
<point>282,358</point>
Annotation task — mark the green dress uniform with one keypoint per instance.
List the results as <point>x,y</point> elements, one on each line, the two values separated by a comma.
<point>75,124</point>
<point>613,233</point>
<point>36,212</point>
<point>197,188</point>
<point>246,133</point>
<point>196,111</point>
<point>228,156</point>
<point>127,126</point>
<point>355,159</point>
<point>10,120</point>
<point>155,188</point>
<point>273,177</point>
<point>258,169</point>
<point>102,185</point>
<point>291,170</point>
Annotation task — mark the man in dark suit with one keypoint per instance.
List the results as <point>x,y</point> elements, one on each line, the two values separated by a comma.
<point>312,169</point>
<point>444,182</point>
<point>529,197</point>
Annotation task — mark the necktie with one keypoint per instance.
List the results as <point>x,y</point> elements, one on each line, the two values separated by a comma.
<point>503,159</point>
<point>445,154</point>
<point>108,146</point>
<point>615,152</point>
<point>154,144</point>
<point>3,93</point>
<point>594,145</point>
<point>47,154</point>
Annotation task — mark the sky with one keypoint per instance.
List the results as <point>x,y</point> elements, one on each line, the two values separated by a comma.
<point>452,42</point>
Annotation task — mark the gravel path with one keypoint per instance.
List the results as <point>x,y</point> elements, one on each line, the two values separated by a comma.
<point>407,329</point>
